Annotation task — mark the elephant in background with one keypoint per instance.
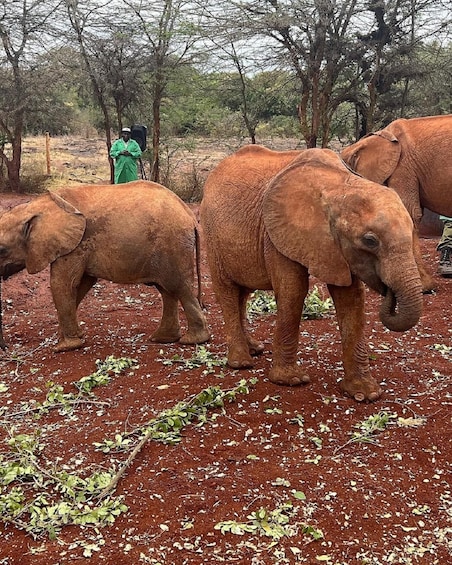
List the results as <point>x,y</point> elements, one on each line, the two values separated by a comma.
<point>138,232</point>
<point>412,156</point>
<point>272,218</point>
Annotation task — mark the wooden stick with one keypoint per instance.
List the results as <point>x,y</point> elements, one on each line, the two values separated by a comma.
<point>48,152</point>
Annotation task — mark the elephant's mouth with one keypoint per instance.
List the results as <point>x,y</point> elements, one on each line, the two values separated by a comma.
<point>11,269</point>
<point>376,284</point>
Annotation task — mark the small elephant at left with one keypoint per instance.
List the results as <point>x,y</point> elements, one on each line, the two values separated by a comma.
<point>138,232</point>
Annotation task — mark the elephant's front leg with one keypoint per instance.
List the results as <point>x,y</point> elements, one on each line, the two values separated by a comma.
<point>255,347</point>
<point>290,293</point>
<point>64,283</point>
<point>349,302</point>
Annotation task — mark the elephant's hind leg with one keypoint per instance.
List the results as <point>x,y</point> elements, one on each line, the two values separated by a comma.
<point>232,299</point>
<point>197,331</point>
<point>169,328</point>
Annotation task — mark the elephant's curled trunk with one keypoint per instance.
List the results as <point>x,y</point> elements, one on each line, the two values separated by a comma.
<point>400,311</point>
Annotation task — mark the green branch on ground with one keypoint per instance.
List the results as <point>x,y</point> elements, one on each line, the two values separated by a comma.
<point>202,357</point>
<point>274,524</point>
<point>40,498</point>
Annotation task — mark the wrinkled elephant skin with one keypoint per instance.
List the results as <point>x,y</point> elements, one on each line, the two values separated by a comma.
<point>138,232</point>
<point>272,218</point>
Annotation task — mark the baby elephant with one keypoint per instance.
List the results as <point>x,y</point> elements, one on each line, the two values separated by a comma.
<point>271,219</point>
<point>139,232</point>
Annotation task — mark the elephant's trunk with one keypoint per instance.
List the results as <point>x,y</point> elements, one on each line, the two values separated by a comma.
<point>401,310</point>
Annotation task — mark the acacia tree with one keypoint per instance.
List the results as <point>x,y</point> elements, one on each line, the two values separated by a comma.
<point>166,31</point>
<point>244,90</point>
<point>308,37</point>
<point>109,59</point>
<point>350,51</point>
<point>24,32</point>
<point>391,60</point>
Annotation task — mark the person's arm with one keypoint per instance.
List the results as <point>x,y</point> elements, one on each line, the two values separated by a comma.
<point>115,150</point>
<point>134,149</point>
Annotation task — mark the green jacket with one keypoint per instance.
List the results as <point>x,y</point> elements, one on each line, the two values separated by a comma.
<point>125,165</point>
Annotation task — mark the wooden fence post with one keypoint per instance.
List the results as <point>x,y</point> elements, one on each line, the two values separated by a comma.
<point>48,152</point>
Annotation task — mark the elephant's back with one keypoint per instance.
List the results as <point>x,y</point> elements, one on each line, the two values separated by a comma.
<point>248,168</point>
<point>240,179</point>
<point>138,201</point>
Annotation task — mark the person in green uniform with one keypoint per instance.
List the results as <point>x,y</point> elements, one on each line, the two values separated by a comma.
<point>126,152</point>
<point>445,248</point>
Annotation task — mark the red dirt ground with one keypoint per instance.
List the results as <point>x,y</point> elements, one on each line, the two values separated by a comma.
<point>388,501</point>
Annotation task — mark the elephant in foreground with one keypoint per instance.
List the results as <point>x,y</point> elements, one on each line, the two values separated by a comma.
<point>271,219</point>
<point>414,158</point>
<point>139,232</point>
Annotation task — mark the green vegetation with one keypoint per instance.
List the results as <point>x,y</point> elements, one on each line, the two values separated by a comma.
<point>202,357</point>
<point>199,70</point>
<point>315,306</point>
<point>274,524</point>
<point>261,302</point>
<point>41,497</point>
<point>264,302</point>
<point>371,426</point>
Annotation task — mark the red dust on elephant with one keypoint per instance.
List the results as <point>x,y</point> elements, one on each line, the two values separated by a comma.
<point>138,232</point>
<point>271,219</point>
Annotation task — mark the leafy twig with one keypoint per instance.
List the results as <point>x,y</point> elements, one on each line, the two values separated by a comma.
<point>171,422</point>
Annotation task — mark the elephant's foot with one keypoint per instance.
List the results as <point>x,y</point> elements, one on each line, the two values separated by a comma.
<point>361,389</point>
<point>68,344</point>
<point>165,336</point>
<point>288,375</point>
<point>239,357</point>
<point>193,337</point>
<point>255,347</point>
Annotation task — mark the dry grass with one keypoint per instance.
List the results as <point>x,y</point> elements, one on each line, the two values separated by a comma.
<point>73,160</point>
<point>184,163</point>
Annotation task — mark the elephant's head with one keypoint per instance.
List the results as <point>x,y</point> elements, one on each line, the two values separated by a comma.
<point>375,156</point>
<point>33,235</point>
<point>338,224</point>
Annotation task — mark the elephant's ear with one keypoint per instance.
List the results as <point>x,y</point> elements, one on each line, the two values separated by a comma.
<point>296,218</point>
<point>375,156</point>
<point>55,229</point>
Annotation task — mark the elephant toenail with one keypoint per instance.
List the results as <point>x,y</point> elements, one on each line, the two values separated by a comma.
<point>359,397</point>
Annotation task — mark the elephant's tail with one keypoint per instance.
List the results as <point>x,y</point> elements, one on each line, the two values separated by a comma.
<point>198,266</point>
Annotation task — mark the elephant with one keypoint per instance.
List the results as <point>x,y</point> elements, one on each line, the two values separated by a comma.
<point>138,232</point>
<point>412,156</point>
<point>270,219</point>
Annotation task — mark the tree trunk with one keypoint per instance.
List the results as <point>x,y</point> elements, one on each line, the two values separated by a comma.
<point>155,166</point>
<point>13,165</point>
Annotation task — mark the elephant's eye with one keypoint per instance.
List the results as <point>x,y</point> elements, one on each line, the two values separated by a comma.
<point>370,240</point>
<point>3,251</point>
